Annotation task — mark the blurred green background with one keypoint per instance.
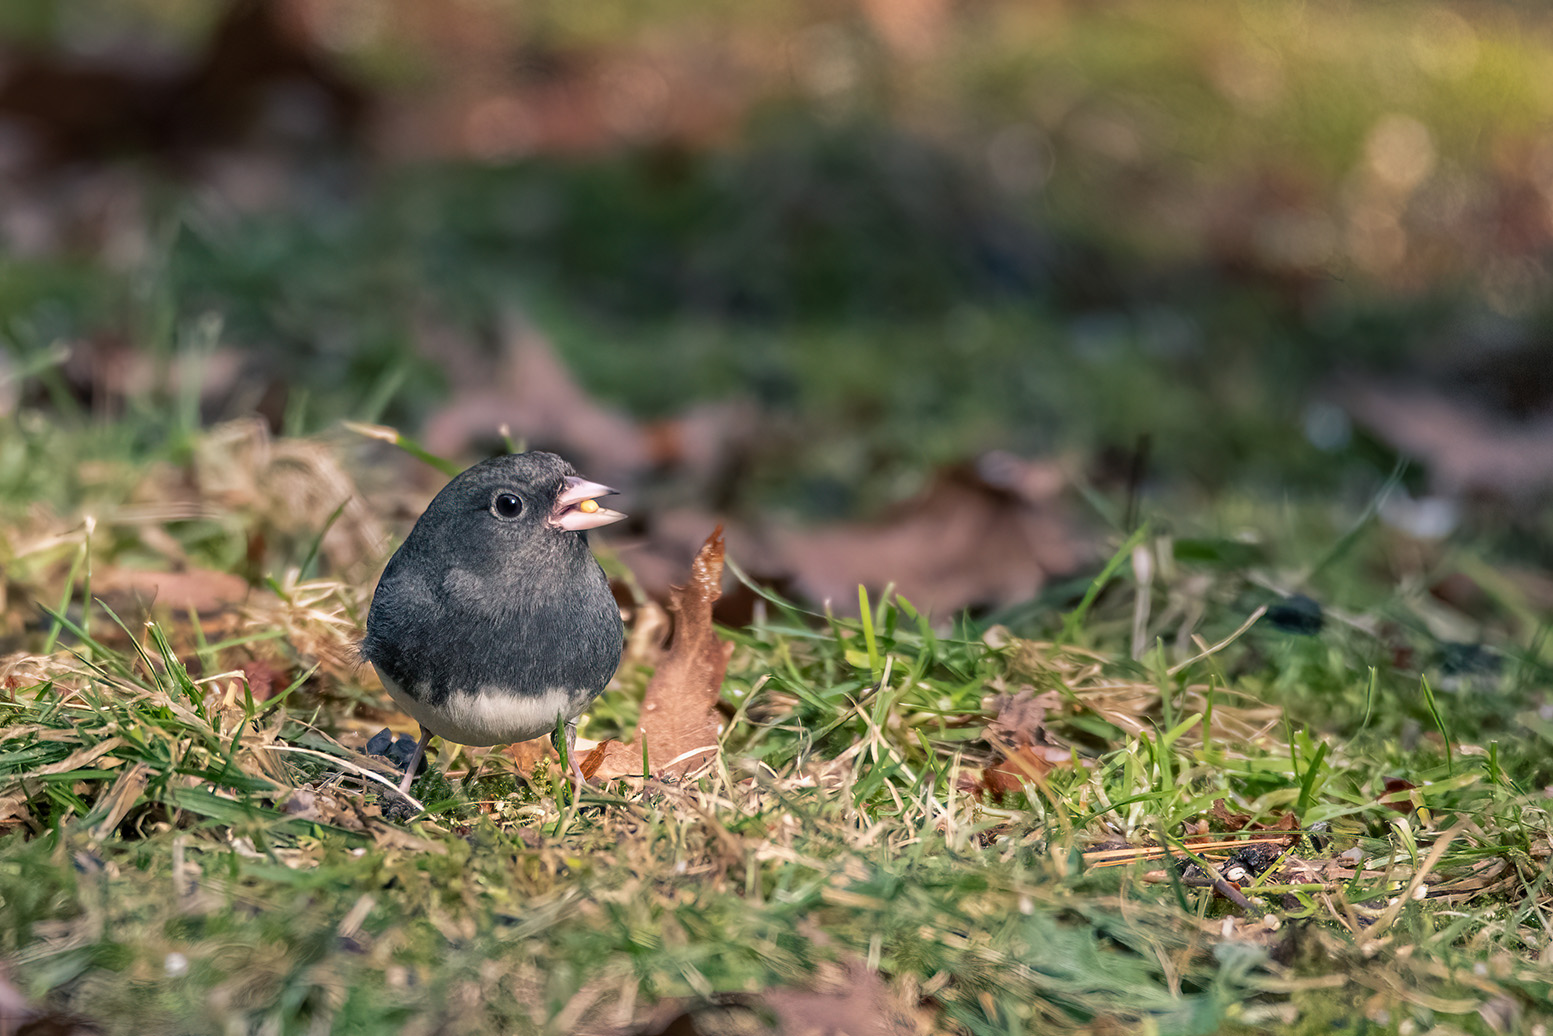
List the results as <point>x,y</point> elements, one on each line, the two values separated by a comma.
<point>1201,250</point>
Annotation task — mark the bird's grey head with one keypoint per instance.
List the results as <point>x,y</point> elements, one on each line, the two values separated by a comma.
<point>511,511</point>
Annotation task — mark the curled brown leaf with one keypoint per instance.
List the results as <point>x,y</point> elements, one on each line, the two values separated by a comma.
<point>679,714</point>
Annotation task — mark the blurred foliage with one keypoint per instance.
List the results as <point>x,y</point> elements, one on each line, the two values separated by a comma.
<point>919,230</point>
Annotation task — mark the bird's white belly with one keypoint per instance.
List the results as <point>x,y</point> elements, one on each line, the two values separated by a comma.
<point>490,715</point>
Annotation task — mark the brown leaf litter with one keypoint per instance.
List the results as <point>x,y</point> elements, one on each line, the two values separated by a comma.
<point>1026,751</point>
<point>984,534</point>
<point>1086,682</point>
<point>679,723</point>
<point>1466,450</point>
<point>527,390</point>
<point>980,535</point>
<point>530,392</point>
<point>963,542</point>
<point>136,591</point>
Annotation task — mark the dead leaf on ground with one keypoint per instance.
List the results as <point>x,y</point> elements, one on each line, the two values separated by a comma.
<point>963,542</point>
<point>1466,449</point>
<point>1223,819</point>
<point>679,714</point>
<point>531,392</point>
<point>1398,794</point>
<point>984,534</point>
<point>856,1002</point>
<point>1227,820</point>
<point>1021,717</point>
<point>137,591</point>
<point>526,755</point>
<point>1026,752</point>
<point>1023,765</point>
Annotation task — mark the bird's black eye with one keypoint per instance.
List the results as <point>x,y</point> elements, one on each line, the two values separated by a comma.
<point>506,505</point>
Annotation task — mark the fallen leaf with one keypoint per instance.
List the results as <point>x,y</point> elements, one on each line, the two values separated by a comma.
<point>139,590</point>
<point>1222,820</point>
<point>856,1002</point>
<point>709,446</point>
<point>535,397</point>
<point>679,717</point>
<point>988,534</point>
<point>1398,795</point>
<point>526,755</point>
<point>1016,769</point>
<point>963,542</point>
<point>262,677</point>
<point>1021,717</point>
<point>845,999</point>
<point>1027,751</point>
<point>1228,821</point>
<point>611,759</point>
<point>1465,449</point>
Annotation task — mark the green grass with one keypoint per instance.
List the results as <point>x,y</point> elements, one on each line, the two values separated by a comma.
<point>160,874</point>
<point>178,857</point>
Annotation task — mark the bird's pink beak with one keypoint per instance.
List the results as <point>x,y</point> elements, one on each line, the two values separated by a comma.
<point>576,508</point>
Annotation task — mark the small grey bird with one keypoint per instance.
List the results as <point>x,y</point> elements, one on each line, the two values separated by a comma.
<point>493,620</point>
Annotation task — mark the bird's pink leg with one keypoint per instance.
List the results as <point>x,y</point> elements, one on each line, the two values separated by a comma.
<point>415,762</point>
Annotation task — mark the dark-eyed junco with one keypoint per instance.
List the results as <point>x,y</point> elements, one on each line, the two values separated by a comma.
<point>493,620</point>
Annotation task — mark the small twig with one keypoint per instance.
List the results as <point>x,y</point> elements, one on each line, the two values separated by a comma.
<point>1117,857</point>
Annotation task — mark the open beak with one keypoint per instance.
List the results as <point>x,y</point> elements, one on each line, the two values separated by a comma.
<point>577,509</point>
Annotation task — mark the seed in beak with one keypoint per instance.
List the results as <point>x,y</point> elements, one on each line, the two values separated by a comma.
<point>588,506</point>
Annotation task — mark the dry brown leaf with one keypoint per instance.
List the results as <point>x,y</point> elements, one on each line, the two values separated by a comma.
<point>137,591</point>
<point>263,678</point>
<point>988,534</point>
<point>1024,765</point>
<point>1027,752</point>
<point>843,999</point>
<point>679,717</point>
<point>1227,821</point>
<point>856,1002</point>
<point>537,399</point>
<point>1466,449</point>
<point>526,755</point>
<point>1021,717</point>
<point>1398,794</point>
<point>964,542</point>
